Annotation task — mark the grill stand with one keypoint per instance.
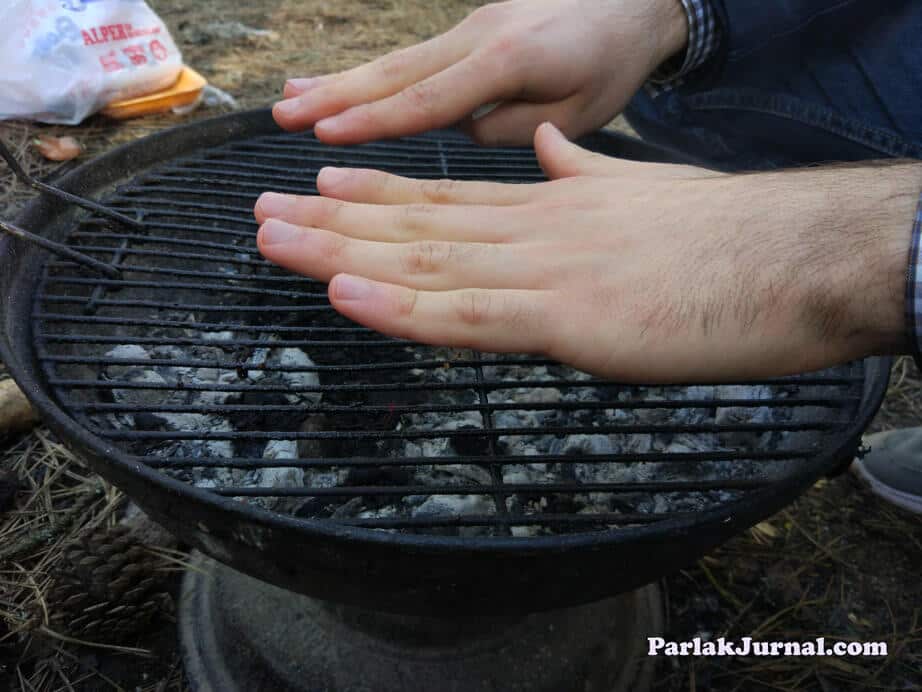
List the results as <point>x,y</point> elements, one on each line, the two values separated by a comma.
<point>239,633</point>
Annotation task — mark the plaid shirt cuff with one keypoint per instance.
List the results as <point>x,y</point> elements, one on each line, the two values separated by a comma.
<point>914,290</point>
<point>703,38</point>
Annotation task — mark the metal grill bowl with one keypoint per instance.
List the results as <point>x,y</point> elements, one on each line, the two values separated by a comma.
<point>172,380</point>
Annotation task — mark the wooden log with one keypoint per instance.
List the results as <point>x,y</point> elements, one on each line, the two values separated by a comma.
<point>16,414</point>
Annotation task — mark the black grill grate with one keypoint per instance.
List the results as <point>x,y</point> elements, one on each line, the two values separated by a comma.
<point>193,363</point>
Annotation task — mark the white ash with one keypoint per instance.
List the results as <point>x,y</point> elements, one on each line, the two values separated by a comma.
<point>259,369</point>
<point>579,444</point>
<point>284,476</point>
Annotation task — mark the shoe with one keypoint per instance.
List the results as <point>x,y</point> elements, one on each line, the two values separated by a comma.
<point>893,467</point>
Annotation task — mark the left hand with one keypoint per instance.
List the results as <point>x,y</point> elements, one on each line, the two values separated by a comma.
<point>633,271</point>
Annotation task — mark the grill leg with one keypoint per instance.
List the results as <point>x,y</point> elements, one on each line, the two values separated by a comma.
<point>242,634</point>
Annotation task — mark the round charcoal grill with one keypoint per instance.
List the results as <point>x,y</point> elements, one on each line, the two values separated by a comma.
<point>231,402</point>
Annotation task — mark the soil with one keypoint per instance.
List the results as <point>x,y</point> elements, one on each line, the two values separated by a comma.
<point>837,563</point>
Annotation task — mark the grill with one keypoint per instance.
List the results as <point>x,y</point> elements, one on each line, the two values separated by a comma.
<point>237,407</point>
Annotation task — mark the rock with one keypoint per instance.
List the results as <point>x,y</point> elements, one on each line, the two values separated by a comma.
<point>16,414</point>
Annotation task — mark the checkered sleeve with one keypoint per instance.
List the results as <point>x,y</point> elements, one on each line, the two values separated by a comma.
<point>703,39</point>
<point>914,289</point>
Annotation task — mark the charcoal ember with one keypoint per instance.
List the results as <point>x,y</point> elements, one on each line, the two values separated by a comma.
<point>471,445</point>
<point>311,448</point>
<point>296,374</point>
<point>441,507</point>
<point>547,407</point>
<point>149,421</point>
<point>378,475</point>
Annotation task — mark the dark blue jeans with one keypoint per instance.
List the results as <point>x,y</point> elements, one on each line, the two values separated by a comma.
<point>795,82</point>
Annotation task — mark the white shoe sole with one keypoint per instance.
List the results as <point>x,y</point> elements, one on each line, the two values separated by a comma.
<point>904,500</point>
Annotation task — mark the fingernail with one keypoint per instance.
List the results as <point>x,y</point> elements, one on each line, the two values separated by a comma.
<point>274,204</point>
<point>331,177</point>
<point>288,107</point>
<point>484,110</point>
<point>330,125</point>
<point>299,85</point>
<point>348,287</point>
<point>275,232</point>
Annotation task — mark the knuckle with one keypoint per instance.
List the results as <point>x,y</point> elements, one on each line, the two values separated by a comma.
<point>474,308</point>
<point>334,249</point>
<point>328,210</point>
<point>439,191</point>
<point>421,97</point>
<point>393,65</point>
<point>416,217</point>
<point>508,54</point>
<point>426,257</point>
<point>406,303</point>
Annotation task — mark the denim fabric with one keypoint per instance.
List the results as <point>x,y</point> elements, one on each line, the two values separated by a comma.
<point>796,82</point>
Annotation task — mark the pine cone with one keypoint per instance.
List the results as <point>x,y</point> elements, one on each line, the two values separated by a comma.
<point>107,586</point>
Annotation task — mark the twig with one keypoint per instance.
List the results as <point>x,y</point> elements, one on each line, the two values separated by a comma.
<point>93,671</point>
<point>720,589</point>
<point>146,653</point>
<point>45,534</point>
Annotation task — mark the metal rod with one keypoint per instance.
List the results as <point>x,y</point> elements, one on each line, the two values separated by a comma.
<point>261,278</point>
<point>577,520</point>
<point>638,429</point>
<point>61,250</point>
<point>502,488</point>
<point>90,205</point>
<point>385,387</point>
<point>688,458</point>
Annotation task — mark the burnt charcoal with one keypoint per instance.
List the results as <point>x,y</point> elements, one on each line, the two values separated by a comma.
<point>149,421</point>
<point>377,475</point>
<point>254,420</point>
<point>471,445</point>
<point>312,448</point>
<point>314,508</point>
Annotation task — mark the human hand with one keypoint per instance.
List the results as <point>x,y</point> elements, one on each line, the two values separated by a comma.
<point>633,271</point>
<point>575,63</point>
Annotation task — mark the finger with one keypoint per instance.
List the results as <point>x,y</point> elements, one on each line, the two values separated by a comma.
<point>300,85</point>
<point>503,321</point>
<point>514,123</point>
<point>371,81</point>
<point>377,187</point>
<point>438,101</point>
<point>431,264</point>
<point>561,158</point>
<point>393,223</point>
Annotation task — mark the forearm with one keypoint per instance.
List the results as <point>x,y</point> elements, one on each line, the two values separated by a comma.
<point>850,250</point>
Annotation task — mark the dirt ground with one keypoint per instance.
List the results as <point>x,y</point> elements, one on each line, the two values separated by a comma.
<point>837,563</point>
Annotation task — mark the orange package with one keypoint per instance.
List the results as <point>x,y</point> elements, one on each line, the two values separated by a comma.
<point>184,92</point>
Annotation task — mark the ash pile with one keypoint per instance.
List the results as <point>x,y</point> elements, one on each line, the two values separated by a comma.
<point>540,406</point>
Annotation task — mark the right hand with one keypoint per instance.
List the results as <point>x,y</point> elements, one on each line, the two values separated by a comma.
<point>575,63</point>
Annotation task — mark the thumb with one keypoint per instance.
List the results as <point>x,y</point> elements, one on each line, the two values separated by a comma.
<point>561,158</point>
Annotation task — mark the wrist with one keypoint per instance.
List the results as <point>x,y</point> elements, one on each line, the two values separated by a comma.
<point>867,274</point>
<point>671,30</point>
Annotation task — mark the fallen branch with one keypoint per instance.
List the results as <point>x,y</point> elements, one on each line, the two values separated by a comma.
<point>16,414</point>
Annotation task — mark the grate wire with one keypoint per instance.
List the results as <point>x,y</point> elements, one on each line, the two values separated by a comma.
<point>208,363</point>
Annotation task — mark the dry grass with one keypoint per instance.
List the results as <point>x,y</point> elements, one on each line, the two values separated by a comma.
<point>59,501</point>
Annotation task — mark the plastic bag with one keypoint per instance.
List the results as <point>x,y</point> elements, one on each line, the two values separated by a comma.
<point>61,60</point>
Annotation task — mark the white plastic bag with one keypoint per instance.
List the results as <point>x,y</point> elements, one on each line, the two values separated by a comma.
<point>61,60</point>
